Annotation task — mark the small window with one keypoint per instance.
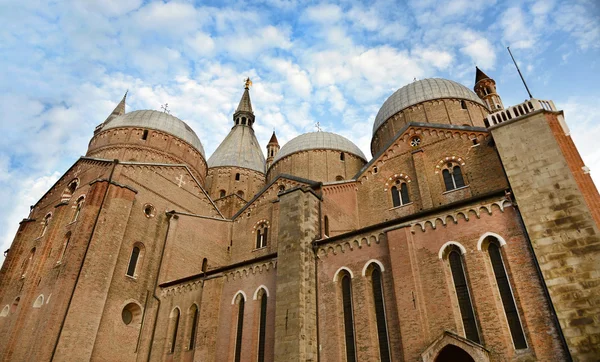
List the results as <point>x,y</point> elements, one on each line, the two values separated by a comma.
<point>453,177</point>
<point>339,178</point>
<point>415,141</point>
<point>39,302</point>
<point>237,176</point>
<point>222,193</point>
<point>149,210</point>
<point>281,188</point>
<point>193,326</point>
<point>204,265</point>
<point>375,170</point>
<point>243,120</point>
<point>261,236</point>
<point>133,261</point>
<point>400,194</point>
<point>45,224</point>
<point>463,104</point>
<point>342,156</point>
<point>240,193</point>
<point>145,135</point>
<point>326,225</point>
<point>78,207</point>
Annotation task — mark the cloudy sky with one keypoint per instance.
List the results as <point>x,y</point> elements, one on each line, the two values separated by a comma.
<point>65,64</point>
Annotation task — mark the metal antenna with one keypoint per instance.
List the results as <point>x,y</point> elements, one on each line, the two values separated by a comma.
<point>521,75</point>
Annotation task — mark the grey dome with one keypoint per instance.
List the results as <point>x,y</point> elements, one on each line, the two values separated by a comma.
<point>421,91</point>
<point>239,149</point>
<point>318,141</point>
<point>160,121</point>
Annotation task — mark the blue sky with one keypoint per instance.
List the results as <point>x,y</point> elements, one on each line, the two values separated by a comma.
<point>65,64</point>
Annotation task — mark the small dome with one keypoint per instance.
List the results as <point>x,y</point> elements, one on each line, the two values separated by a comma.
<point>421,91</point>
<point>319,141</point>
<point>239,149</point>
<point>160,121</point>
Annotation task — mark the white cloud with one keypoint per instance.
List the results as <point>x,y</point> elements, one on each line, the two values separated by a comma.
<point>324,13</point>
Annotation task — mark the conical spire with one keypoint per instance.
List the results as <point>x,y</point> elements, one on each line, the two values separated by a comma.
<point>273,139</point>
<point>243,114</point>
<point>245,104</point>
<point>479,75</point>
<point>119,109</point>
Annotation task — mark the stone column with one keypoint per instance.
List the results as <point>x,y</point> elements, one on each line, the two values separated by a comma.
<point>295,307</point>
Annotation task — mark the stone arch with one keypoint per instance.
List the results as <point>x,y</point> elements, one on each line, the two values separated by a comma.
<point>451,352</point>
<point>446,245</point>
<point>239,292</point>
<point>489,233</point>
<point>255,296</point>
<point>337,273</point>
<point>39,301</point>
<point>380,264</point>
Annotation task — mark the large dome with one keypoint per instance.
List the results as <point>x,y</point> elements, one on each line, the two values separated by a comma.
<point>421,91</point>
<point>160,121</point>
<point>318,141</point>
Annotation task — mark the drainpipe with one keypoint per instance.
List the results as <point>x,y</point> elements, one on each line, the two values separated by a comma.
<point>162,255</point>
<point>87,247</point>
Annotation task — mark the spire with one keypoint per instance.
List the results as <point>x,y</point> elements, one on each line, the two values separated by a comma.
<point>119,109</point>
<point>273,139</point>
<point>243,114</point>
<point>245,104</point>
<point>479,75</point>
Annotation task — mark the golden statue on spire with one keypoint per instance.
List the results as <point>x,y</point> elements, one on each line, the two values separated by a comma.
<point>248,83</point>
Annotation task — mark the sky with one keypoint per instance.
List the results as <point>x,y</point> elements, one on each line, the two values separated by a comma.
<point>64,65</point>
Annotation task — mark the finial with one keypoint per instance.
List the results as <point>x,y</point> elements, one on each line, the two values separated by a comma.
<point>248,83</point>
<point>318,126</point>
<point>165,108</point>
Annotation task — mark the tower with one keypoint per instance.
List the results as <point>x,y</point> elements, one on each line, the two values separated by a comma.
<point>236,170</point>
<point>272,149</point>
<point>485,87</point>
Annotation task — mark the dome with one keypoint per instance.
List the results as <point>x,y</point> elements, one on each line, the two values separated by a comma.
<point>319,141</point>
<point>421,91</point>
<point>160,121</point>
<point>239,149</point>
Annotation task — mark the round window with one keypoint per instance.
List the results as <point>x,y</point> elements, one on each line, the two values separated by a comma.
<point>127,316</point>
<point>416,141</point>
<point>131,314</point>
<point>149,210</point>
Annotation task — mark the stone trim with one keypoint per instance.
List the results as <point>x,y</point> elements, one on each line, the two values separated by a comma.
<point>350,245</point>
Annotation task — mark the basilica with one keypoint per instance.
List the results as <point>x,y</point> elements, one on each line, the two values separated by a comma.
<point>471,234</point>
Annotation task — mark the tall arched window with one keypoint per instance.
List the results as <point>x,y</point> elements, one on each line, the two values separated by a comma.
<point>508,301</point>
<point>261,236</point>
<point>378,301</point>
<point>453,177</point>
<point>45,224</point>
<point>61,256</point>
<point>204,265</point>
<point>326,225</point>
<point>348,316</point>
<point>78,207</point>
<point>193,314</point>
<point>27,263</point>
<point>400,196</point>
<point>463,295</point>
<point>174,329</point>
<point>133,261</point>
<point>240,327</point>
<point>262,326</point>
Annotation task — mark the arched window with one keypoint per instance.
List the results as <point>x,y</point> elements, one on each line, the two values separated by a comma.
<point>453,177</point>
<point>39,302</point>
<point>133,261</point>
<point>339,178</point>
<point>243,120</point>
<point>400,197</point>
<point>70,190</point>
<point>262,325</point>
<point>193,314</point>
<point>326,225</point>
<point>78,207</point>
<point>240,327</point>
<point>240,193</point>
<point>463,104</point>
<point>15,304</point>
<point>45,224</point>
<point>222,193</point>
<point>27,263</point>
<point>174,329</point>
<point>348,316</point>
<point>463,295</point>
<point>281,188</point>
<point>145,135</point>
<point>204,265</point>
<point>261,236</point>
<point>63,251</point>
<point>237,176</point>
<point>508,301</point>
<point>379,305</point>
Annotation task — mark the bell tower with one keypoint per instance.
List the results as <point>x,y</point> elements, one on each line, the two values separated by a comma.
<point>243,115</point>
<point>485,87</point>
<point>272,149</point>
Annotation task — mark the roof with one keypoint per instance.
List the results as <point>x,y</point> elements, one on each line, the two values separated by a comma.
<point>239,149</point>
<point>273,139</point>
<point>318,141</point>
<point>479,75</point>
<point>421,91</point>
<point>245,104</point>
<point>160,121</point>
